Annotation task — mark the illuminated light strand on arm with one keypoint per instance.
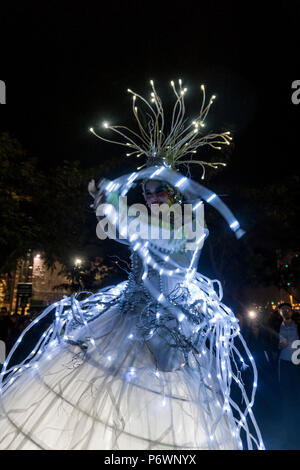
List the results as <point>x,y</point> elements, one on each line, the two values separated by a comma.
<point>193,190</point>
<point>197,205</point>
<point>181,182</point>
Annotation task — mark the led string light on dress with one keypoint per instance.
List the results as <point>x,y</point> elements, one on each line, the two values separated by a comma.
<point>69,314</point>
<point>164,152</point>
<point>224,322</point>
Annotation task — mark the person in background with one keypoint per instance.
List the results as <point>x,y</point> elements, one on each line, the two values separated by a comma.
<point>268,394</point>
<point>286,326</point>
<point>6,327</point>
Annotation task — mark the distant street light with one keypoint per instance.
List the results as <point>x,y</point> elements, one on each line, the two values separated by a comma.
<point>77,262</point>
<point>252,314</point>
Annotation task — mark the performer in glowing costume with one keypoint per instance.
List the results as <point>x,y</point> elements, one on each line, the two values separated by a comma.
<point>148,363</point>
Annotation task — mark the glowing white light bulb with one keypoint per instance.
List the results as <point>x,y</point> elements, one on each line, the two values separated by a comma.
<point>133,237</point>
<point>211,198</point>
<point>234,224</point>
<point>181,181</point>
<point>197,205</point>
<point>137,246</point>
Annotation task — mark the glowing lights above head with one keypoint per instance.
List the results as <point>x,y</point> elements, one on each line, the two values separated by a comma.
<point>153,140</point>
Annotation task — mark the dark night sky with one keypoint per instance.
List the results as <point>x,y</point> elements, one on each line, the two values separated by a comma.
<point>67,67</point>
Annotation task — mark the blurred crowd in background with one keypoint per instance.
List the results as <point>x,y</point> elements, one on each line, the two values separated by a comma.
<point>273,338</point>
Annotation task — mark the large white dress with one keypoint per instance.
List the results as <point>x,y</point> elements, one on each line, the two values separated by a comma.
<point>119,370</point>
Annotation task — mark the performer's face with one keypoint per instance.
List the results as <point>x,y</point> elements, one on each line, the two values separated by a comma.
<point>156,192</point>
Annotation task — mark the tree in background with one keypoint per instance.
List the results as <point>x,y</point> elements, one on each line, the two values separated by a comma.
<point>267,254</point>
<point>87,275</point>
<point>20,181</point>
<point>48,211</point>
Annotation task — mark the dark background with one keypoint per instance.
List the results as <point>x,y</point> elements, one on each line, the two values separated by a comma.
<point>67,67</point>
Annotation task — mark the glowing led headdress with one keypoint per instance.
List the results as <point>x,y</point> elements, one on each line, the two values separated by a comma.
<point>168,148</point>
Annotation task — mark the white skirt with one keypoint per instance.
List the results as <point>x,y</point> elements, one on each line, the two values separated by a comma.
<point>110,394</point>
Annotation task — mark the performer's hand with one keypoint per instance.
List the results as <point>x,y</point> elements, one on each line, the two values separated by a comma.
<point>92,188</point>
<point>98,194</point>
